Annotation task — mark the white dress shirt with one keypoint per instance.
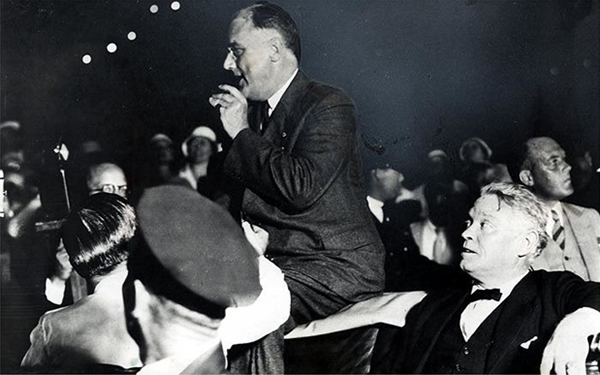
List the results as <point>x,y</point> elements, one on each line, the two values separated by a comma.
<point>376,208</point>
<point>478,311</point>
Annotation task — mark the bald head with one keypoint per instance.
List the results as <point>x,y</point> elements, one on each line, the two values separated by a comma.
<point>544,169</point>
<point>106,178</point>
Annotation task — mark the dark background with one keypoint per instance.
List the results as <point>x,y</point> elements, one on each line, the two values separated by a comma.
<point>424,73</point>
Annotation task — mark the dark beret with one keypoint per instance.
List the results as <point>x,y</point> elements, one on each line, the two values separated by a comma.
<point>191,248</point>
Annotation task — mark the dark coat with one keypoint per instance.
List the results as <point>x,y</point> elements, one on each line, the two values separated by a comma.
<point>533,309</point>
<point>304,186</point>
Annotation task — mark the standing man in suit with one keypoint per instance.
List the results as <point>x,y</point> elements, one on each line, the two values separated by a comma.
<point>574,230</point>
<point>511,320</point>
<point>294,151</point>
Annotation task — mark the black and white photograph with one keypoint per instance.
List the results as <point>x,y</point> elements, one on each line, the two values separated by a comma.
<point>300,187</point>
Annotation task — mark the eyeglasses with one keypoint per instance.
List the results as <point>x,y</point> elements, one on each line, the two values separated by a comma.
<point>236,52</point>
<point>112,189</point>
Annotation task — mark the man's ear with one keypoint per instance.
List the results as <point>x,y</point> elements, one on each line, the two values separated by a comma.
<point>526,177</point>
<point>277,48</point>
<point>530,245</point>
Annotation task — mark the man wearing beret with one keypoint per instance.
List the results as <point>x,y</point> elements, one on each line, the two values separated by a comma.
<point>192,262</point>
<point>511,319</point>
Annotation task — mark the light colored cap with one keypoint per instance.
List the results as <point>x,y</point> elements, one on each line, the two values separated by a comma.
<point>437,153</point>
<point>201,131</point>
<point>160,137</point>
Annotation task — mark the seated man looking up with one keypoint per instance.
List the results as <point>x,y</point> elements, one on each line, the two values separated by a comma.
<point>512,319</point>
<point>192,262</point>
<point>91,331</point>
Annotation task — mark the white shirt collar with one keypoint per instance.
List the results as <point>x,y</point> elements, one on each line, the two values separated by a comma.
<point>376,207</point>
<point>506,288</point>
<point>550,223</point>
<point>276,98</point>
<point>174,364</point>
<point>111,282</point>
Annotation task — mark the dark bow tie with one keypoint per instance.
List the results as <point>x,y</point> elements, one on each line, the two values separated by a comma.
<point>479,294</point>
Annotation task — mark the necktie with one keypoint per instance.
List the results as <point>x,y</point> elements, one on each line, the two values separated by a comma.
<point>558,231</point>
<point>258,116</point>
<point>480,294</point>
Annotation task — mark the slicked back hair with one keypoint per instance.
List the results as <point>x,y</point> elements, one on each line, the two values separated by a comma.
<point>265,15</point>
<point>521,199</point>
<point>97,235</point>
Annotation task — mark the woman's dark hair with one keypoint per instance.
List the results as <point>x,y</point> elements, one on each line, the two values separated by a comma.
<point>97,235</point>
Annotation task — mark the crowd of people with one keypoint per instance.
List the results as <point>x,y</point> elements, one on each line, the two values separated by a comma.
<point>212,255</point>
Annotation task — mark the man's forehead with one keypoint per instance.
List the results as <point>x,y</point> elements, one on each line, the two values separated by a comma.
<point>242,31</point>
<point>544,148</point>
<point>488,206</point>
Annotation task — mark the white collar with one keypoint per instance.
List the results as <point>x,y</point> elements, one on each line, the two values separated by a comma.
<point>374,202</point>
<point>550,223</point>
<point>174,364</point>
<point>276,98</point>
<point>429,225</point>
<point>376,207</point>
<point>111,282</point>
<point>506,288</point>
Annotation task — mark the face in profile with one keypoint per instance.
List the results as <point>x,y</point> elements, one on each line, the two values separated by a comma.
<point>493,238</point>
<point>248,58</point>
<point>550,172</point>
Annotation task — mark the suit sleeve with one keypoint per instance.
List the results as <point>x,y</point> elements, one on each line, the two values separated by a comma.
<point>571,293</point>
<point>295,179</point>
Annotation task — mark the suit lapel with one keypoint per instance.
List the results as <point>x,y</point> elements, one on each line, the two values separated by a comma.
<point>287,106</point>
<point>514,323</point>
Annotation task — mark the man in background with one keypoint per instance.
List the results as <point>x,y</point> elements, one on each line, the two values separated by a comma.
<point>574,230</point>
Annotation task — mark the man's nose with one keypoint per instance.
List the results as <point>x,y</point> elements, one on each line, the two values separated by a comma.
<point>566,166</point>
<point>229,63</point>
<point>466,234</point>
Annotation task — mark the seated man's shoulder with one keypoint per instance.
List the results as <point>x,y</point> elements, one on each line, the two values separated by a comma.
<point>580,210</point>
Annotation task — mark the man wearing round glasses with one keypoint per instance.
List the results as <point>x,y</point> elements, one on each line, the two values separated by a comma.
<point>107,178</point>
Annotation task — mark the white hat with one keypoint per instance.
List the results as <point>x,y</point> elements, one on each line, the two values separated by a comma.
<point>201,131</point>
<point>484,148</point>
<point>158,137</point>
<point>437,154</point>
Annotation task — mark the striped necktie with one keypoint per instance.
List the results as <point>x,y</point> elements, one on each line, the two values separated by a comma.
<point>558,231</point>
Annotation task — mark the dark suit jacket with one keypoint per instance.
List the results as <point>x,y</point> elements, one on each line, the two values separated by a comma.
<point>533,309</point>
<point>304,186</point>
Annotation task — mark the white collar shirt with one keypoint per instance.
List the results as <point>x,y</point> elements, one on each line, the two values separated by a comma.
<point>276,98</point>
<point>561,217</point>
<point>478,311</point>
<point>376,207</point>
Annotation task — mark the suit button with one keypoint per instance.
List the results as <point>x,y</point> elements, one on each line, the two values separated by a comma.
<point>567,258</point>
<point>282,148</point>
<point>284,134</point>
<point>466,350</point>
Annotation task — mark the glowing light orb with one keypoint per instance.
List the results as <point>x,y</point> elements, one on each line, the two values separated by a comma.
<point>132,35</point>
<point>154,8</point>
<point>111,47</point>
<point>175,5</point>
<point>86,59</point>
